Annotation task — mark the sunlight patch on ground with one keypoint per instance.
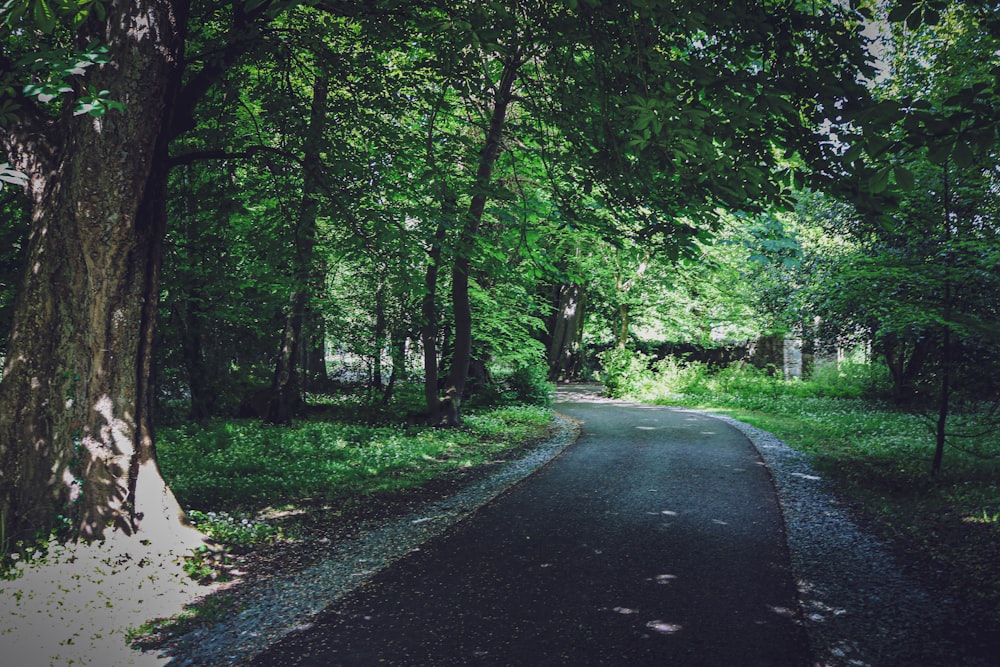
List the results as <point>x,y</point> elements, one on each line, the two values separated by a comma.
<point>663,628</point>
<point>76,606</point>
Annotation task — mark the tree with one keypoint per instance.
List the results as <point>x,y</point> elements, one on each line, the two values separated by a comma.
<point>286,387</point>
<point>76,431</point>
<point>934,252</point>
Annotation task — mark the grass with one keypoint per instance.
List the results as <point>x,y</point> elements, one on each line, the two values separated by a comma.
<point>244,467</point>
<point>947,526</point>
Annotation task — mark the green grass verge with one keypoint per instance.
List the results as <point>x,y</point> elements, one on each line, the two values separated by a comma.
<point>236,468</point>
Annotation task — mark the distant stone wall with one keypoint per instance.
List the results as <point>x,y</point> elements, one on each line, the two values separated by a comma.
<point>779,353</point>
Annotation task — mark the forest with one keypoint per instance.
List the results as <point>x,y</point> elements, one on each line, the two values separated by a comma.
<point>279,221</point>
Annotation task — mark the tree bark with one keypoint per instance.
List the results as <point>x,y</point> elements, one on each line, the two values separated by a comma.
<point>312,356</point>
<point>567,330</point>
<point>462,310</point>
<point>429,325</point>
<point>202,396</point>
<point>285,387</point>
<point>381,326</point>
<point>76,438</point>
<point>622,324</point>
<point>397,347</point>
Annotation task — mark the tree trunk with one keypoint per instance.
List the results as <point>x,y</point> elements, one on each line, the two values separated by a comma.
<point>285,387</point>
<point>944,396</point>
<point>381,326</point>
<point>567,329</point>
<point>905,369</point>
<point>76,400</point>
<point>622,326</point>
<point>397,347</point>
<point>202,397</point>
<point>429,326</point>
<point>459,371</point>
<point>312,357</point>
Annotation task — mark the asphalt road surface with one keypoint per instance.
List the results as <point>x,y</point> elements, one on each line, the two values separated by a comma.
<point>656,539</point>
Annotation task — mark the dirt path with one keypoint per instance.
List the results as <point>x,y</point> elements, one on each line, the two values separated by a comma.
<point>654,540</point>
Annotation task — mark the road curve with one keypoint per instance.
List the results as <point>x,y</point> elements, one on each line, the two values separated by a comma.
<point>656,539</point>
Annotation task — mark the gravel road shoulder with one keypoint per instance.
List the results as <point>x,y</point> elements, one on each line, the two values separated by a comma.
<point>859,605</point>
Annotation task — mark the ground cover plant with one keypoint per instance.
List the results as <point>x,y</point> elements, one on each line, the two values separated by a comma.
<point>246,466</point>
<point>945,526</point>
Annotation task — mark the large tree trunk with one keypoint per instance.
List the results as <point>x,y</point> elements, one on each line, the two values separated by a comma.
<point>459,371</point>
<point>76,399</point>
<point>285,387</point>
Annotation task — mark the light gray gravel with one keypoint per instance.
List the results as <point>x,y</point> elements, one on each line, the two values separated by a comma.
<point>859,608</point>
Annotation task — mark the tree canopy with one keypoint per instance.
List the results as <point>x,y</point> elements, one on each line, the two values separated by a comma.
<point>214,207</point>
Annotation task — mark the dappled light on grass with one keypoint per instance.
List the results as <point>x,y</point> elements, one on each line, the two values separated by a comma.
<point>247,465</point>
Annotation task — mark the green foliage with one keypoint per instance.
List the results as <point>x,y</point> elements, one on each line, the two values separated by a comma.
<point>208,611</point>
<point>234,531</point>
<point>201,564</point>
<point>234,465</point>
<point>529,384</point>
<point>13,247</point>
<point>48,16</point>
<point>622,371</point>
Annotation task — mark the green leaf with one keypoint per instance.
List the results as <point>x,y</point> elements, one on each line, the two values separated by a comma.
<point>44,17</point>
<point>899,13</point>
<point>939,153</point>
<point>904,177</point>
<point>879,181</point>
<point>962,154</point>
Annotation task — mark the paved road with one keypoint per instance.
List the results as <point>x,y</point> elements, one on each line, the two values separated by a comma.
<point>654,540</point>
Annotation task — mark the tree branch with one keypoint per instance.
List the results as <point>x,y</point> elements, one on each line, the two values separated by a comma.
<point>221,154</point>
<point>245,31</point>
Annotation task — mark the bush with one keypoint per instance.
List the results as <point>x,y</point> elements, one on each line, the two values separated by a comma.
<point>529,384</point>
<point>623,372</point>
<point>849,379</point>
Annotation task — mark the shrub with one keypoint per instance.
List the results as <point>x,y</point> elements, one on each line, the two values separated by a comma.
<point>623,372</point>
<point>848,379</point>
<point>528,384</point>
